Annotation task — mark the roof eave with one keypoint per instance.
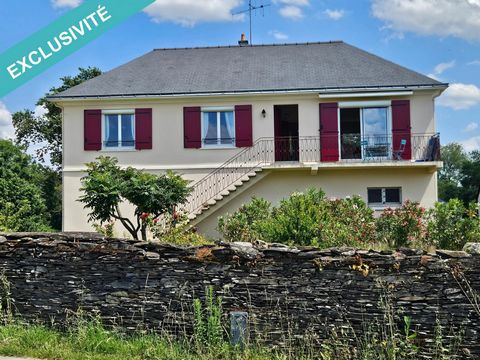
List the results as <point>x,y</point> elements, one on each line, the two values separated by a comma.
<point>325,90</point>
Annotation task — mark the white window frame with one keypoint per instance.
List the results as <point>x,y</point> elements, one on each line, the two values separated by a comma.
<point>119,113</point>
<point>384,203</point>
<point>364,105</point>
<point>218,110</point>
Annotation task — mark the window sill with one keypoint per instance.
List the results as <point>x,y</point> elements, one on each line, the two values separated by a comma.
<point>119,150</point>
<point>218,147</point>
<point>381,207</point>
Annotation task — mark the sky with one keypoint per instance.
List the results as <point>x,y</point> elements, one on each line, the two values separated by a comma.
<point>438,38</point>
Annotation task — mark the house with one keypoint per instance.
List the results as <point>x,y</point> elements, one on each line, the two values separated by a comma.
<point>263,120</point>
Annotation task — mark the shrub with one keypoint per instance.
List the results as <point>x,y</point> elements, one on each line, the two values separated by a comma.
<point>451,225</point>
<point>403,226</point>
<point>297,219</point>
<point>247,223</point>
<point>308,219</point>
<point>346,222</point>
<point>175,229</point>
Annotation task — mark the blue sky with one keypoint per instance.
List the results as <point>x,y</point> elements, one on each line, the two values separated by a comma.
<point>440,38</point>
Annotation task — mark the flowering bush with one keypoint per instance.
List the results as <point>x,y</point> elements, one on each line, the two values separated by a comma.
<point>403,226</point>
<point>346,222</point>
<point>451,224</point>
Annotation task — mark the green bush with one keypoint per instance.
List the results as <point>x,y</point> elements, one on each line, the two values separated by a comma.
<point>308,219</point>
<point>247,223</point>
<point>451,224</point>
<point>346,222</point>
<point>403,226</point>
<point>297,219</point>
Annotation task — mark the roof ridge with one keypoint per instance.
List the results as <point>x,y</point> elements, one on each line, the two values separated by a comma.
<point>251,46</point>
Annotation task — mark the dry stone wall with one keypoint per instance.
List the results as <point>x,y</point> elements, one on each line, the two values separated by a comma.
<point>289,293</point>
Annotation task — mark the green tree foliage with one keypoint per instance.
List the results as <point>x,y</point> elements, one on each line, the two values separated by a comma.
<point>451,224</point>
<point>23,189</point>
<point>46,130</point>
<point>460,175</point>
<point>106,186</point>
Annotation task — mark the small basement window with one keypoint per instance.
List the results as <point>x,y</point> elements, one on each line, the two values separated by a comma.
<point>384,196</point>
<point>218,128</point>
<point>118,130</point>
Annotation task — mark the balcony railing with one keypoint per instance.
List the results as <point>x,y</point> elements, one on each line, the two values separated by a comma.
<point>344,148</point>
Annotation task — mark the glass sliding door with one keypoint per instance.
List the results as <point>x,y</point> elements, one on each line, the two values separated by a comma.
<point>376,140</point>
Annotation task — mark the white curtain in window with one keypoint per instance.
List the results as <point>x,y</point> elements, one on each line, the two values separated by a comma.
<point>127,130</point>
<point>210,128</point>
<point>227,127</point>
<point>111,130</point>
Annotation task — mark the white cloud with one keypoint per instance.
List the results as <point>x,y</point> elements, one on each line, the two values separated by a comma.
<point>65,3</point>
<point>291,12</point>
<point>292,9</point>
<point>470,127</point>
<point>278,35</point>
<point>292,2</point>
<point>460,96</point>
<point>460,18</point>
<point>191,12</point>
<point>442,67</point>
<point>471,144</point>
<point>334,14</point>
<point>474,62</point>
<point>40,110</point>
<point>6,127</point>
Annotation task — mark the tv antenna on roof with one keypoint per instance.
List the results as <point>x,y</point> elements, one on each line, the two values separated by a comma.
<point>252,7</point>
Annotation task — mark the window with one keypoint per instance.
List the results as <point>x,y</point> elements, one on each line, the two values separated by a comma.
<point>218,128</point>
<point>118,130</point>
<point>365,129</point>
<point>384,196</point>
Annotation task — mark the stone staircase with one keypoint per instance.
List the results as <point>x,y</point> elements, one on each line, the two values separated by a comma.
<point>240,172</point>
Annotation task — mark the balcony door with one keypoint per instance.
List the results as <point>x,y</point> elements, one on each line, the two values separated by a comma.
<point>365,133</point>
<point>286,133</point>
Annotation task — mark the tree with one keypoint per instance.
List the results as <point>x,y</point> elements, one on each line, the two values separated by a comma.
<point>22,196</point>
<point>471,177</point>
<point>46,130</point>
<point>106,186</point>
<point>460,176</point>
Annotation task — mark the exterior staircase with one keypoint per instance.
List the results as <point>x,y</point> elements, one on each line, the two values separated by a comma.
<point>245,167</point>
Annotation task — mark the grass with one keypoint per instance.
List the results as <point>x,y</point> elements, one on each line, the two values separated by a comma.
<point>94,342</point>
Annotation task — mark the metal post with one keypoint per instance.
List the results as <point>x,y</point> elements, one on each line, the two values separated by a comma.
<point>238,328</point>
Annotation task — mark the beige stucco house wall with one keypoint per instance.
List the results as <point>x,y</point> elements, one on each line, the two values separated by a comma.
<point>417,180</point>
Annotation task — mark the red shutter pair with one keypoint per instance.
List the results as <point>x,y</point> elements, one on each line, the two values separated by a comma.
<point>93,129</point>
<point>329,132</point>
<point>192,126</point>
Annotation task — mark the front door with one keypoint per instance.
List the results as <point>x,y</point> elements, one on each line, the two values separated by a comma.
<point>286,133</point>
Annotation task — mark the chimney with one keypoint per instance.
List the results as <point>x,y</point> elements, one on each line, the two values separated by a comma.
<point>243,41</point>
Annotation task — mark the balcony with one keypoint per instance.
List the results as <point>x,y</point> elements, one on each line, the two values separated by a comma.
<point>352,148</point>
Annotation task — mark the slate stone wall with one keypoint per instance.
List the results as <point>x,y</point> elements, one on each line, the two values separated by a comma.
<point>289,293</point>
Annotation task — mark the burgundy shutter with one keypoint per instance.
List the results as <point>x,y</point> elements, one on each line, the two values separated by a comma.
<point>329,132</point>
<point>92,130</point>
<point>192,128</point>
<point>401,129</point>
<point>243,125</point>
<point>143,129</point>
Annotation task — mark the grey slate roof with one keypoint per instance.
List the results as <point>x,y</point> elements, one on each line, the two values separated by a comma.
<point>233,69</point>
